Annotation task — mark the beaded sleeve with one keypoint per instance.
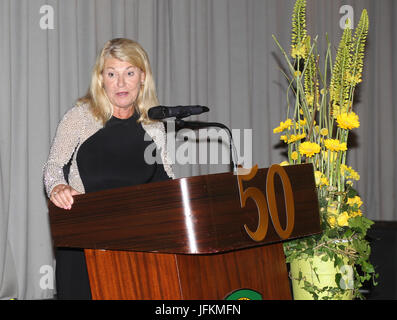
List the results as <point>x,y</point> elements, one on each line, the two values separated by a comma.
<point>76,126</point>
<point>64,144</point>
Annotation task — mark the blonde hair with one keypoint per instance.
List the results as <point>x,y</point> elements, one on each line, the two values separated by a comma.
<point>129,51</point>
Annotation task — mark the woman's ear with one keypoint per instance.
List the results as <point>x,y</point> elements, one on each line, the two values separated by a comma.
<point>143,77</point>
<point>100,80</point>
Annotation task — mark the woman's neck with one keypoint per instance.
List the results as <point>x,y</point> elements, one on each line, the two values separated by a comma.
<point>123,113</point>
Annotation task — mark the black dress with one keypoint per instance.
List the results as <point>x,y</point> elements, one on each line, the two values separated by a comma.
<point>111,158</point>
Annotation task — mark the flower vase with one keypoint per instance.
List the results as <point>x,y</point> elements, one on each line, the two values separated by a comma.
<point>320,274</point>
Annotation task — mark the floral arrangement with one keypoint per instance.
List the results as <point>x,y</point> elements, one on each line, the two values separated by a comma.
<point>316,131</point>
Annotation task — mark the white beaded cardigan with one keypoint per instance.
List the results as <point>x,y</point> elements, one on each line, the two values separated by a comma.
<point>76,126</point>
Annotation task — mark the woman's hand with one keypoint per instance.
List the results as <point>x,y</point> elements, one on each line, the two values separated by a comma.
<point>62,196</point>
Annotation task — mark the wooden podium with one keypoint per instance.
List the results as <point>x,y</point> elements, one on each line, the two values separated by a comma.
<point>189,238</point>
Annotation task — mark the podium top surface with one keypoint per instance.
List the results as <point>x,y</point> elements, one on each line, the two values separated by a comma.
<point>195,215</point>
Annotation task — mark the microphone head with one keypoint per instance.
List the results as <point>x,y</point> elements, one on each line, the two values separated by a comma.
<point>163,112</point>
<point>194,110</point>
<point>158,113</point>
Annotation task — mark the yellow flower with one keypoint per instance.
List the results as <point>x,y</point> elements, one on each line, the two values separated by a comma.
<point>332,212</point>
<point>284,138</point>
<point>353,79</point>
<point>356,200</point>
<point>357,213</point>
<point>349,173</point>
<point>309,149</point>
<point>354,175</point>
<point>344,168</point>
<point>324,131</point>
<point>294,155</point>
<point>310,99</point>
<point>283,126</point>
<point>321,180</point>
<point>335,145</point>
<point>299,50</point>
<point>335,110</point>
<point>317,177</point>
<point>302,122</point>
<point>294,138</point>
<point>332,221</point>
<point>284,163</point>
<point>324,181</point>
<point>343,219</point>
<point>332,209</point>
<point>347,120</point>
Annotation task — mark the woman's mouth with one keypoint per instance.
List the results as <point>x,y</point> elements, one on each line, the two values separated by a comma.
<point>122,93</point>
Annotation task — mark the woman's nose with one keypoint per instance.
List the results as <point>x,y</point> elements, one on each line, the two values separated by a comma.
<point>120,81</point>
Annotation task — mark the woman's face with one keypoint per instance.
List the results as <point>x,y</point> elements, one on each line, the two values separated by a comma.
<point>121,81</point>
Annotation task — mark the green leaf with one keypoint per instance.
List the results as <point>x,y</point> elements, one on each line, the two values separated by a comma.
<point>338,278</point>
<point>351,193</point>
<point>367,267</point>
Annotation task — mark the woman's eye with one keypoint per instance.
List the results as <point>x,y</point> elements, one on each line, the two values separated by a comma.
<point>110,74</point>
<point>131,73</point>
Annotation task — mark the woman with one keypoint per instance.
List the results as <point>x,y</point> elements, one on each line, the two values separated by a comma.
<point>103,139</point>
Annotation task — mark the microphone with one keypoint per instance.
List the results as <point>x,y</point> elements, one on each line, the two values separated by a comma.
<point>163,112</point>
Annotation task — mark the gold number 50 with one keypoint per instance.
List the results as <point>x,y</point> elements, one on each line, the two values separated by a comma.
<point>262,205</point>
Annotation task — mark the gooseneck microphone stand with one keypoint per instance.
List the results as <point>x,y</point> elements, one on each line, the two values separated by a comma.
<point>181,124</point>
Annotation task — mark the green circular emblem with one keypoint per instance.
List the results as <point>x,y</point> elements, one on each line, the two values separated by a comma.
<point>244,294</point>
